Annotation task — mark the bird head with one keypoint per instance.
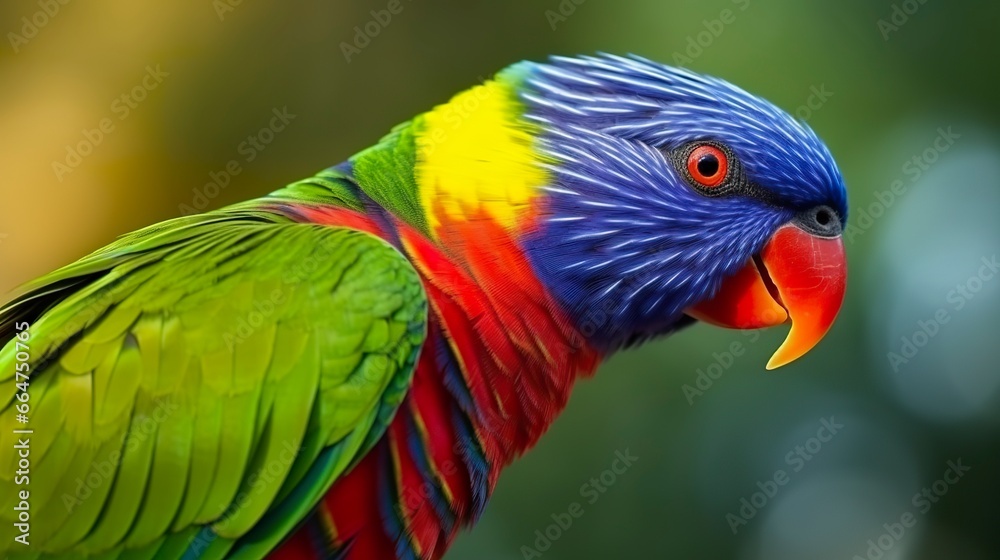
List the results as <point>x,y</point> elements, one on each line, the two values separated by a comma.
<point>643,196</point>
<point>670,195</point>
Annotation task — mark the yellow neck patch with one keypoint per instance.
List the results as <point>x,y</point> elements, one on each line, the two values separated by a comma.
<point>475,159</point>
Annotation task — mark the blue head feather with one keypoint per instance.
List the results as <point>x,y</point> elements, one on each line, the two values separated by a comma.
<point>626,243</point>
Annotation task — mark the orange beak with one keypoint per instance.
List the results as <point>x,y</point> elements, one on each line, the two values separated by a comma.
<point>797,277</point>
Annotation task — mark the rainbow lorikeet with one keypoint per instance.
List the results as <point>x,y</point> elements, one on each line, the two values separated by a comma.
<point>343,368</point>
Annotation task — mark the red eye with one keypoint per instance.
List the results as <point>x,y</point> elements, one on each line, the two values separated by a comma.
<point>708,165</point>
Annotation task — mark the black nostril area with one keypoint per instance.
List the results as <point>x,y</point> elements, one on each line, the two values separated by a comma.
<point>821,220</point>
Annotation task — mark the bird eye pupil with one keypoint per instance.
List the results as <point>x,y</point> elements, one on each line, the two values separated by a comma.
<point>708,165</point>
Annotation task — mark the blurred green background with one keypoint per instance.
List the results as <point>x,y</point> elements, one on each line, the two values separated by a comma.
<point>904,93</point>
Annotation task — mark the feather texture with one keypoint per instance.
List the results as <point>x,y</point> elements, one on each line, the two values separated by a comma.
<point>343,368</point>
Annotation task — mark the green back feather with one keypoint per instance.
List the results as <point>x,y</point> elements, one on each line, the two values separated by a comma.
<point>207,377</point>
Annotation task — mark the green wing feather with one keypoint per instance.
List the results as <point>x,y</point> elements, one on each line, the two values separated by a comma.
<point>198,385</point>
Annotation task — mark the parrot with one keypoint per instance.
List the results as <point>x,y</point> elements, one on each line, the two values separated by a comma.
<point>342,368</point>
